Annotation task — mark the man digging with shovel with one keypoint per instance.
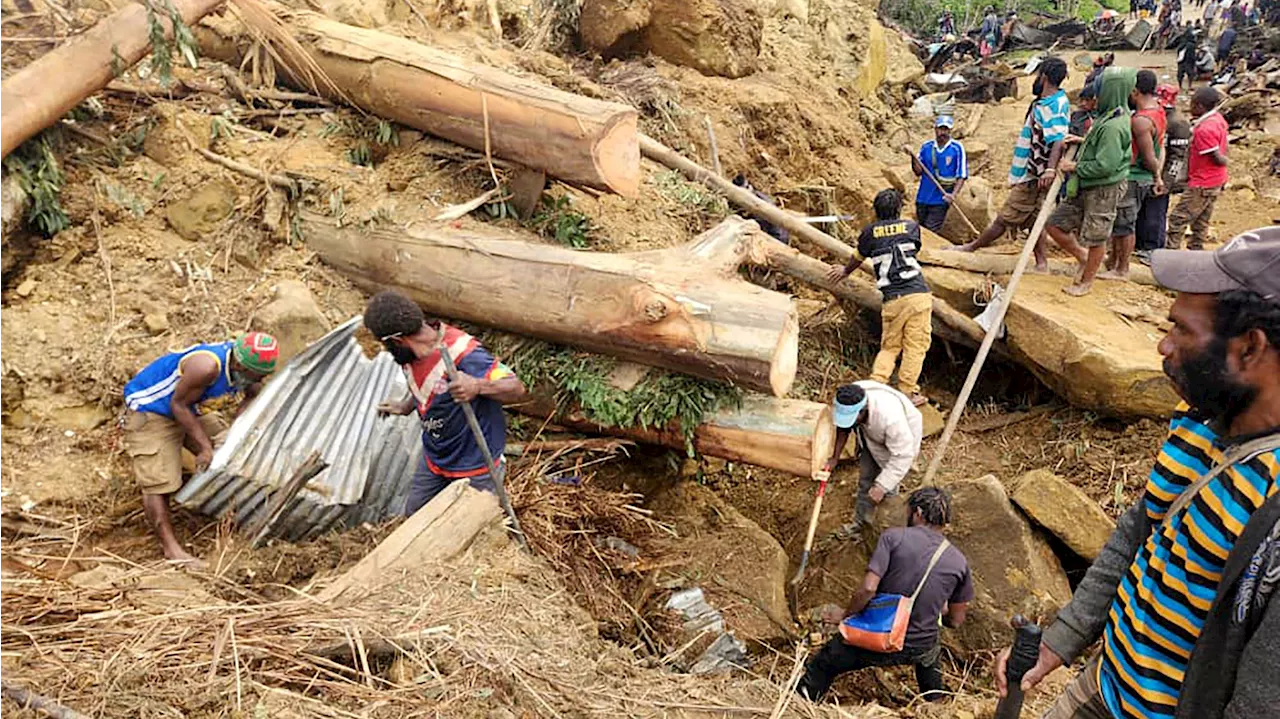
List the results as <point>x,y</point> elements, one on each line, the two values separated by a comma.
<point>450,449</point>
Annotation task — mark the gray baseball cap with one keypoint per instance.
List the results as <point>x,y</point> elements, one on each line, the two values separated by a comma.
<point>1248,261</point>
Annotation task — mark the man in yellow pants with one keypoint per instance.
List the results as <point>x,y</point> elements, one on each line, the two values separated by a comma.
<point>892,243</point>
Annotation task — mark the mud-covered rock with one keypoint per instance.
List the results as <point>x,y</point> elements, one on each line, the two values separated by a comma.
<point>1014,569</point>
<point>742,568</point>
<point>613,26</point>
<point>293,318</point>
<point>1064,511</point>
<point>199,215</point>
<point>174,129</point>
<point>714,37</point>
<point>974,200</point>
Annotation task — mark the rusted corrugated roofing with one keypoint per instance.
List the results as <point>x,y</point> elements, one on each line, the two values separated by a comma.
<point>325,400</point>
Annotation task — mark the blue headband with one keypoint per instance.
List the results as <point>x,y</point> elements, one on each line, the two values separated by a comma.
<point>846,415</point>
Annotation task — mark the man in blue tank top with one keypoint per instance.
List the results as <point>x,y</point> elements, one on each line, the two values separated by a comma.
<point>450,451</point>
<point>163,416</point>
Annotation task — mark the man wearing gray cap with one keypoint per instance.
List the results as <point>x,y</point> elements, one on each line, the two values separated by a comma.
<point>1182,594</point>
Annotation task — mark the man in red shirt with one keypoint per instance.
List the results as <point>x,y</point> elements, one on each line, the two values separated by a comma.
<point>1207,172</point>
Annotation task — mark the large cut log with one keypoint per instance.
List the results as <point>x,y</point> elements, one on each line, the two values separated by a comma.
<point>790,435</point>
<point>441,530</point>
<point>684,308</point>
<point>574,138</point>
<point>39,94</point>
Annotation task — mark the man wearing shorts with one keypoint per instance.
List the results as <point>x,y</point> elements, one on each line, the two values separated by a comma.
<point>1099,180</point>
<point>163,416</point>
<point>1147,128</point>
<point>1035,157</point>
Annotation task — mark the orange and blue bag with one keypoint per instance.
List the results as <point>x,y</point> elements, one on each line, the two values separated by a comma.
<point>881,626</point>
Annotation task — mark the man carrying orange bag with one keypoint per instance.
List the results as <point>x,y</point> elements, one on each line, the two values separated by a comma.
<point>910,563</point>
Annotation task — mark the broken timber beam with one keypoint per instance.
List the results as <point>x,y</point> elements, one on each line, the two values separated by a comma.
<point>685,308</point>
<point>39,94</point>
<point>576,139</point>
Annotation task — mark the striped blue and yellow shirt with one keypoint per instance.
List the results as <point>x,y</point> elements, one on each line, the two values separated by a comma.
<point>1161,603</point>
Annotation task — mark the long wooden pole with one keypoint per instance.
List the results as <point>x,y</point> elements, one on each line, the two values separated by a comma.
<point>1006,298</point>
<point>39,94</point>
<point>934,179</point>
<point>495,469</point>
<point>745,199</point>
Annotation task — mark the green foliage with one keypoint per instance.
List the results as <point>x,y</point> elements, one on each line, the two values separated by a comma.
<point>921,16</point>
<point>41,178</point>
<point>700,206</point>
<point>370,135</point>
<point>557,219</point>
<point>581,380</point>
<point>162,48</point>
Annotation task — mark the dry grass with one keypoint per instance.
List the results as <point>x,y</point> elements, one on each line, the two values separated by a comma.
<point>495,628</point>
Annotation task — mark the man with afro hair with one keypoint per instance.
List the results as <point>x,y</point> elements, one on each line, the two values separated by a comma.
<point>449,448</point>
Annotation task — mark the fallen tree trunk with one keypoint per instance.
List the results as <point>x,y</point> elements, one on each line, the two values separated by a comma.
<point>39,94</point>
<point>994,264</point>
<point>574,138</point>
<point>790,435</point>
<point>441,530</point>
<point>948,323</point>
<point>684,309</point>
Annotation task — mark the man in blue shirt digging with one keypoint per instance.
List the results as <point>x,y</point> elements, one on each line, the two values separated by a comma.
<point>944,159</point>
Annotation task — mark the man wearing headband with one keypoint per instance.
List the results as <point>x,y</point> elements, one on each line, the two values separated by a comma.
<point>946,161</point>
<point>450,452</point>
<point>163,417</point>
<point>889,429</point>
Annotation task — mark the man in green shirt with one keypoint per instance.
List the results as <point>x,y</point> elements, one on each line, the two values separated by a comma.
<point>1099,181</point>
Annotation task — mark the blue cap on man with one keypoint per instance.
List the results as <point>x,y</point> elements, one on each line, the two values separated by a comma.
<point>944,121</point>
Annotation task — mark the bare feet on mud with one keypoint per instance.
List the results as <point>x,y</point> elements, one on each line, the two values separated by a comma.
<point>1113,275</point>
<point>1077,289</point>
<point>918,399</point>
<point>1039,269</point>
<point>180,559</point>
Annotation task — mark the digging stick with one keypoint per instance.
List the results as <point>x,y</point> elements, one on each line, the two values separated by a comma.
<point>929,174</point>
<point>1050,202</point>
<point>495,469</point>
<point>813,528</point>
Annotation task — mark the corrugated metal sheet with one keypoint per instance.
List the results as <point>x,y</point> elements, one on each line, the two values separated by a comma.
<point>325,399</point>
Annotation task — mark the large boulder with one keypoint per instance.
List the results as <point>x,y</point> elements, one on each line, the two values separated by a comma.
<point>609,26</point>
<point>1064,511</point>
<point>714,37</point>
<point>293,318</point>
<point>741,568</point>
<point>974,200</point>
<point>1098,351</point>
<point>1014,569</point>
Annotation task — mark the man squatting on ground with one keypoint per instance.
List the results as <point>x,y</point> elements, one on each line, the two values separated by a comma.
<point>945,159</point>
<point>906,315</point>
<point>163,416</point>
<point>889,429</point>
<point>1182,594</point>
<point>449,448</point>
<point>899,565</point>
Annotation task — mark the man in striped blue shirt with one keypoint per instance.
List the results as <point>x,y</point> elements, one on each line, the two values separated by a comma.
<point>1035,157</point>
<point>1182,595</point>
<point>945,161</point>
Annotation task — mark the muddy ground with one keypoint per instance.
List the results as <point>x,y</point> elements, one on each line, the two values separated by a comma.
<point>166,249</point>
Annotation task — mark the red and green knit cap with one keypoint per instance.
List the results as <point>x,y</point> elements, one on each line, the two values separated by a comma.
<point>257,352</point>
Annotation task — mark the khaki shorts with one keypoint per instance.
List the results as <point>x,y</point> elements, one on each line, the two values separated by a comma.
<point>1023,204</point>
<point>1092,212</point>
<point>1135,195</point>
<point>155,443</point>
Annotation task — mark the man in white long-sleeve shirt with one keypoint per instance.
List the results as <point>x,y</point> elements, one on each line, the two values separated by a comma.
<point>889,429</point>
